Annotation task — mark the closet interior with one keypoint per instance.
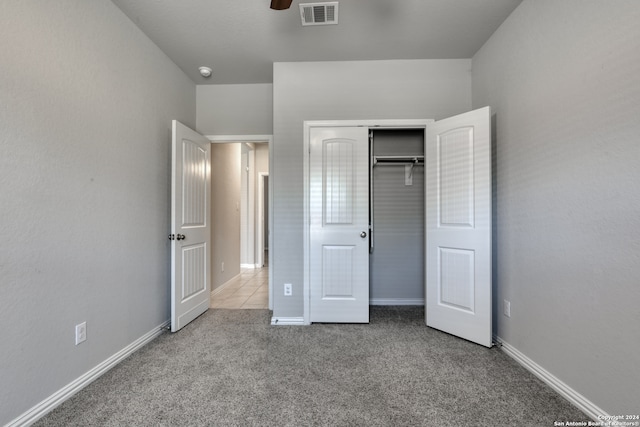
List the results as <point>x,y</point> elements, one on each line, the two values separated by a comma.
<point>397,212</point>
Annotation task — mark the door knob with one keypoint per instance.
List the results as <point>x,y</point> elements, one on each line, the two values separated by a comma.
<point>363,234</point>
<point>180,237</point>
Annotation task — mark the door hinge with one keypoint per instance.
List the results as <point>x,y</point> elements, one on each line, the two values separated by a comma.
<point>172,237</point>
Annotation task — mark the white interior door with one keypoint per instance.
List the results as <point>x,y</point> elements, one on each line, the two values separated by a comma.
<point>458,226</point>
<point>339,225</point>
<point>190,225</point>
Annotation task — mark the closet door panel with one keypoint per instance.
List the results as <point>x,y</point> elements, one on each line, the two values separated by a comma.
<point>458,226</point>
<point>339,225</point>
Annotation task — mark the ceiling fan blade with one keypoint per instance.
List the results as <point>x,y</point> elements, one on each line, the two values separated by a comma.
<point>280,4</point>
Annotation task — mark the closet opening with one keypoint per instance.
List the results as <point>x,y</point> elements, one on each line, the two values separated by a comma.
<point>431,224</point>
<point>396,217</point>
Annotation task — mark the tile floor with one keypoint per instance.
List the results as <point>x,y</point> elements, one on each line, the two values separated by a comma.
<point>249,290</point>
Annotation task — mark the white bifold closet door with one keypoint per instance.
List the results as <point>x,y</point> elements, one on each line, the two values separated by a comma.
<point>457,230</point>
<point>339,225</point>
<point>458,226</point>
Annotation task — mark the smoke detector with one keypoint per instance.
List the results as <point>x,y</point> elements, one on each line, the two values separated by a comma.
<point>205,72</point>
<point>319,13</point>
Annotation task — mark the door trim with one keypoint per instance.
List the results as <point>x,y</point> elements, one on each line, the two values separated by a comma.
<point>260,220</point>
<point>307,125</point>
<point>221,139</point>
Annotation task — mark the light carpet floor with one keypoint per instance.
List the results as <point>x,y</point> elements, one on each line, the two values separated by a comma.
<point>231,368</point>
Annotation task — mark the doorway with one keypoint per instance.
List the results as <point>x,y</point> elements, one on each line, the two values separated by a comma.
<point>240,278</point>
<point>397,202</point>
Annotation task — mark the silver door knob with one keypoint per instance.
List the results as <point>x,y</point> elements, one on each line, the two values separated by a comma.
<point>363,234</point>
<point>180,237</point>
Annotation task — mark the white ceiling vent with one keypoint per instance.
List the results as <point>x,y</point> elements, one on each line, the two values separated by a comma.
<point>319,13</point>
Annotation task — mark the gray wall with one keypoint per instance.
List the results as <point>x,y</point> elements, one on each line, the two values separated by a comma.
<point>86,102</point>
<point>235,109</point>
<point>343,91</point>
<point>225,217</point>
<point>563,79</point>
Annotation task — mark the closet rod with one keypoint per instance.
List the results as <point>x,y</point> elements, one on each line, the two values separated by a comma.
<point>398,159</point>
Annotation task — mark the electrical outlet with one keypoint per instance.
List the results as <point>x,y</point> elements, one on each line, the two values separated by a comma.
<point>288,290</point>
<point>507,308</point>
<point>81,332</point>
<point>222,268</point>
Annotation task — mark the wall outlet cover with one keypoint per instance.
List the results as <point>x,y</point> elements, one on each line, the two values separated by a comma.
<point>507,308</point>
<point>81,332</point>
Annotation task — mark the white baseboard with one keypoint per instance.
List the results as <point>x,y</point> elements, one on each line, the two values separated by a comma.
<point>396,301</point>
<point>224,285</point>
<point>295,321</point>
<point>57,398</point>
<point>581,402</point>
<point>250,266</point>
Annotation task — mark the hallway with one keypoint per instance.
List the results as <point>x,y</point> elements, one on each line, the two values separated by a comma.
<point>249,290</point>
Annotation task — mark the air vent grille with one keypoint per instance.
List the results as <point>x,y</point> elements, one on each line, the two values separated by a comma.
<point>319,13</point>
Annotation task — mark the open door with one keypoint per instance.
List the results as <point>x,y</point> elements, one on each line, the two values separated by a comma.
<point>190,225</point>
<point>339,225</point>
<point>458,226</point>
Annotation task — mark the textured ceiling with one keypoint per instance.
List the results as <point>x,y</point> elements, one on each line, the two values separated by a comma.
<point>241,39</point>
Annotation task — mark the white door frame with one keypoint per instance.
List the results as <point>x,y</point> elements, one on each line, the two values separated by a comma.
<point>224,139</point>
<point>308,124</point>
<point>260,220</point>
<point>248,207</point>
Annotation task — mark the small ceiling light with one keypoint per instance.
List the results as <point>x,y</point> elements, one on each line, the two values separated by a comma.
<point>205,72</point>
